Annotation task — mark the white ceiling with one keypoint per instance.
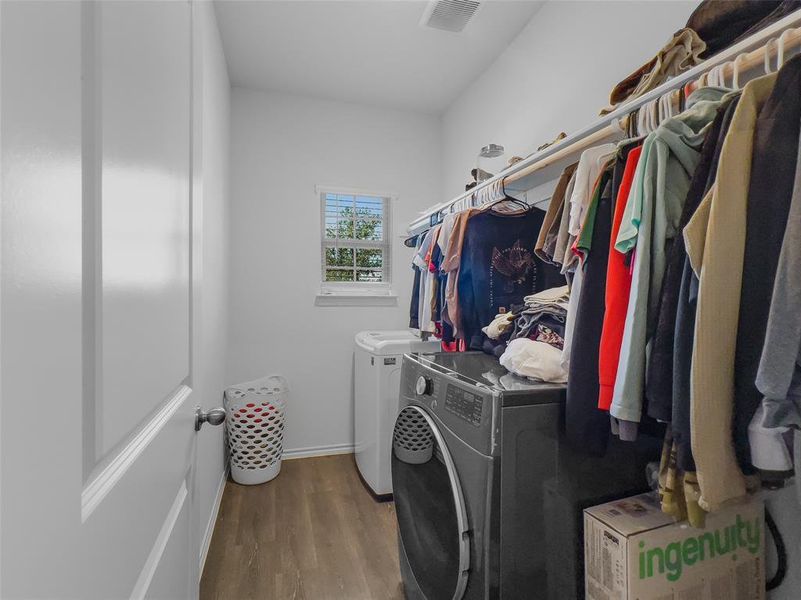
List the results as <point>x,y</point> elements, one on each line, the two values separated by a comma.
<point>370,51</point>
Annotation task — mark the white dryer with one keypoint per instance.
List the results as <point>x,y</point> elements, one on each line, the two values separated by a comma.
<point>378,358</point>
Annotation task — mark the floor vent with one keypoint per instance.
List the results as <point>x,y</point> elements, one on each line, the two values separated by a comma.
<point>449,15</point>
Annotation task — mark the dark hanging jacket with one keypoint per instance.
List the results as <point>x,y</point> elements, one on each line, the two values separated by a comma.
<point>659,379</point>
<point>587,426</point>
<point>680,363</point>
<point>770,190</point>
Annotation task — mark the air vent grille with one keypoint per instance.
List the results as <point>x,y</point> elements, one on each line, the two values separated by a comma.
<point>450,15</point>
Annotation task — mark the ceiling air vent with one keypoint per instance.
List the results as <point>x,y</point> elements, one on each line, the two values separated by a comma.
<point>449,15</point>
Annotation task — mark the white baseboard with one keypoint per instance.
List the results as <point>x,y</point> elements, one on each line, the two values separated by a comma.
<point>215,511</point>
<point>318,451</point>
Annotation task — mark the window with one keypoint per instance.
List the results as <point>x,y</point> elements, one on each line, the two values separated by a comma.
<point>355,241</point>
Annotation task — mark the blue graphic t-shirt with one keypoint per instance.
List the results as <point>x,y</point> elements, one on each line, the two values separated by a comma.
<point>499,268</point>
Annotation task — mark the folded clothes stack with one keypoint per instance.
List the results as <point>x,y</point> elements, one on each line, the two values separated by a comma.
<point>544,317</point>
<point>530,337</point>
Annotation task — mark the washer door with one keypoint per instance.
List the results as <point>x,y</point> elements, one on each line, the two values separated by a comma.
<point>432,518</point>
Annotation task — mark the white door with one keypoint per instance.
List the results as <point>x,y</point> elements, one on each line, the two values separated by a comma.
<point>97,439</point>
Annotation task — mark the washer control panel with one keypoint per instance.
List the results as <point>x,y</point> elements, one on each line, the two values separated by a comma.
<point>465,405</point>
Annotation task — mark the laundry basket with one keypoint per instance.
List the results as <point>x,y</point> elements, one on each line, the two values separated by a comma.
<point>256,413</point>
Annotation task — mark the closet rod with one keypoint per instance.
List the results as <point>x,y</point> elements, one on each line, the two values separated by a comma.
<point>764,42</point>
<point>741,64</point>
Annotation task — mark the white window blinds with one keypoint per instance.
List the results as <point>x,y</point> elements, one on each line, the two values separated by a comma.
<point>355,240</point>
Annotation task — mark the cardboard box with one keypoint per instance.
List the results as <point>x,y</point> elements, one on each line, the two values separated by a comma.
<point>633,551</point>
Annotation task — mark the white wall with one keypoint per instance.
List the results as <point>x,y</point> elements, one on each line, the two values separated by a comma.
<point>281,147</point>
<point>214,295</point>
<point>555,76</point>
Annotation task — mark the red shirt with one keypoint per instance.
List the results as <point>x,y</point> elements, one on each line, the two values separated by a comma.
<point>618,284</point>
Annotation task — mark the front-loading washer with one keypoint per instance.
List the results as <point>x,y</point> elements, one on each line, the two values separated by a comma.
<point>480,473</point>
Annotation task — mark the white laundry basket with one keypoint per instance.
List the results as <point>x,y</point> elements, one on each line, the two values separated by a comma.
<point>255,417</point>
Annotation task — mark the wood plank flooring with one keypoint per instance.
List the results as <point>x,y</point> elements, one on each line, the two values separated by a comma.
<point>313,533</point>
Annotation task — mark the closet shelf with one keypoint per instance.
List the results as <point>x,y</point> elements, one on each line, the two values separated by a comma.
<point>545,165</point>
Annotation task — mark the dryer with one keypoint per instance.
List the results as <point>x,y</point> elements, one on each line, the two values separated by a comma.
<point>488,495</point>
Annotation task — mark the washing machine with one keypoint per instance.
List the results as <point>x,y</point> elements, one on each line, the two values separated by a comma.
<point>488,495</point>
<point>377,366</point>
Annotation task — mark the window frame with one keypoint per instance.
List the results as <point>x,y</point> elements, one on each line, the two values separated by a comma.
<point>357,288</point>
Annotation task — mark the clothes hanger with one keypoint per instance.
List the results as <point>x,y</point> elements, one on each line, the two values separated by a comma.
<point>712,77</point>
<point>512,199</point>
<point>631,125</point>
<point>735,77</point>
<point>507,198</point>
<point>660,112</point>
<point>780,54</point>
<point>715,76</point>
<point>722,75</point>
<point>702,80</point>
<point>656,114</point>
<point>768,44</point>
<point>665,107</point>
<point>642,120</point>
<point>653,116</point>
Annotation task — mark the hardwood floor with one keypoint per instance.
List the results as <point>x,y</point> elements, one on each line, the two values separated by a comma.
<point>313,533</point>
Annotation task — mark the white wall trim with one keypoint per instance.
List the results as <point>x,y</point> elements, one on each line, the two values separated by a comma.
<point>355,299</point>
<point>215,511</point>
<point>154,558</point>
<point>311,451</point>
<point>99,487</point>
<point>350,191</point>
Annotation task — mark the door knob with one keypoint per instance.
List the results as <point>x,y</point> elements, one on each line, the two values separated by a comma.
<point>214,417</point>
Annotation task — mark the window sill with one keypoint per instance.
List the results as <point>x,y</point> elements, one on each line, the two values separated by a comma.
<point>348,298</point>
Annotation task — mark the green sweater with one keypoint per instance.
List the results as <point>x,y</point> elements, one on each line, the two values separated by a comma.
<point>651,219</point>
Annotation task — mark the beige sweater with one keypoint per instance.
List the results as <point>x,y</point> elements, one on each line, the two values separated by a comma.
<point>715,239</point>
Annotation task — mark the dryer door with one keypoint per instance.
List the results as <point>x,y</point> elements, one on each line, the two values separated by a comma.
<point>432,518</point>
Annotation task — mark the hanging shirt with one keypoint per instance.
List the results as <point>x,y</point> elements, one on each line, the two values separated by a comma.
<point>659,380</point>
<point>442,276</point>
<point>770,191</point>
<point>421,262</point>
<point>586,426</point>
<point>446,227</point>
<point>554,213</point>
<point>499,268</point>
<point>589,168</point>
<point>779,375</point>
<point>414,307</point>
<point>590,165</point>
<point>450,265</point>
<point>715,239</point>
<point>683,333</point>
<point>618,284</point>
<point>671,161</point>
<point>678,480</point>
<point>434,262</point>
<point>561,239</point>
<point>431,282</point>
